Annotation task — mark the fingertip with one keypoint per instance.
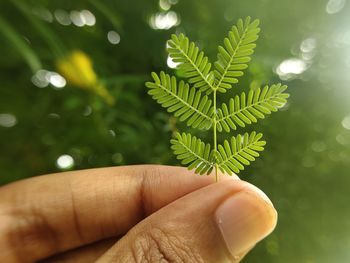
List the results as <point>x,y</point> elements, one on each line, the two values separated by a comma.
<point>257,191</point>
<point>244,219</point>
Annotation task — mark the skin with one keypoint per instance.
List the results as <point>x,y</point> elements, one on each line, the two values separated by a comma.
<point>145,213</point>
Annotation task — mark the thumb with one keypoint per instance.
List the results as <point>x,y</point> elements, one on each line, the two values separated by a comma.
<point>218,223</point>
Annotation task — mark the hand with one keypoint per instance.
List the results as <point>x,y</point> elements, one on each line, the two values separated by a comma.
<point>131,214</point>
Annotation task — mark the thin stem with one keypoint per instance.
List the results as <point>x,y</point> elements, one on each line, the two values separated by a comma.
<point>17,41</point>
<point>215,139</point>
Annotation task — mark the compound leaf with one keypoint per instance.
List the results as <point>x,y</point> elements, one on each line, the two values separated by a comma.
<point>190,102</point>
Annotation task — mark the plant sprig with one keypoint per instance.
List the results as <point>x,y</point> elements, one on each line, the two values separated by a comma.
<point>191,102</point>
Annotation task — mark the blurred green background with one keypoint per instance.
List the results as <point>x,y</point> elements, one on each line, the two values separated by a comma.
<point>72,96</point>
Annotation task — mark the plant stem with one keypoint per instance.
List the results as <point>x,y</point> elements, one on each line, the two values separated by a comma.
<point>215,139</point>
<point>18,42</point>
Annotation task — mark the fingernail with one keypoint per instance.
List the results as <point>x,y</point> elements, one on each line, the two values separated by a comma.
<point>259,192</point>
<point>244,219</point>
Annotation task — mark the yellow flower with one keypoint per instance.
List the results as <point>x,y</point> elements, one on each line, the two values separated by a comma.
<point>78,70</point>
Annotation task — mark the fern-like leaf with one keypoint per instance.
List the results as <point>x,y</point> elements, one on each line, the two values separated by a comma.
<point>243,110</point>
<point>186,103</point>
<point>235,54</point>
<point>190,102</point>
<point>233,156</point>
<point>193,153</point>
<point>193,62</point>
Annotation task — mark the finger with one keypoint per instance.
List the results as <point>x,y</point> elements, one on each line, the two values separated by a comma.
<point>86,254</point>
<point>48,214</point>
<point>218,223</point>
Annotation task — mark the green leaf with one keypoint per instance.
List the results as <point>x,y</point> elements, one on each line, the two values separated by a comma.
<point>193,62</point>
<point>186,103</point>
<point>191,105</point>
<point>243,110</point>
<point>234,55</point>
<point>239,152</point>
<point>193,153</point>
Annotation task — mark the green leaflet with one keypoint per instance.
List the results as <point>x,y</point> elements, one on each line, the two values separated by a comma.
<point>235,54</point>
<point>190,101</point>
<point>240,151</point>
<point>230,157</point>
<point>192,61</point>
<point>186,103</point>
<point>243,110</point>
<point>193,152</point>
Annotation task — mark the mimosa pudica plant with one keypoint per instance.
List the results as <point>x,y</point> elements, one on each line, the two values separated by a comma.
<point>195,101</point>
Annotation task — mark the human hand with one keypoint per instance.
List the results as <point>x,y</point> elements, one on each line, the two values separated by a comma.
<point>131,214</point>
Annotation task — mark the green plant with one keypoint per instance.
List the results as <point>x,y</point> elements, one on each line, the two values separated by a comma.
<point>190,101</point>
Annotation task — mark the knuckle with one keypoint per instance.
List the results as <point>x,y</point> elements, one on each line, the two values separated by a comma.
<point>156,245</point>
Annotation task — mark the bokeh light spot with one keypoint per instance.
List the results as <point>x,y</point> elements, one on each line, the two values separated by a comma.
<point>76,18</point>
<point>318,146</point>
<point>164,4</point>
<point>346,122</point>
<point>335,6</point>
<point>7,120</point>
<point>43,14</point>
<point>112,133</point>
<point>42,78</point>
<point>82,18</point>
<point>117,158</point>
<point>164,20</point>
<point>39,79</point>
<point>88,18</point>
<point>291,67</point>
<point>341,139</point>
<point>171,63</point>
<point>113,37</point>
<point>308,45</point>
<point>87,111</point>
<point>57,80</point>
<point>62,17</point>
<point>65,162</point>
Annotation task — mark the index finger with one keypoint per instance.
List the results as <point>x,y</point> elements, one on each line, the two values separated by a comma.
<point>53,213</point>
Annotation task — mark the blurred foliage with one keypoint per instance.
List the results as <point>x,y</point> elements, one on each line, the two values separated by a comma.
<point>49,122</point>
